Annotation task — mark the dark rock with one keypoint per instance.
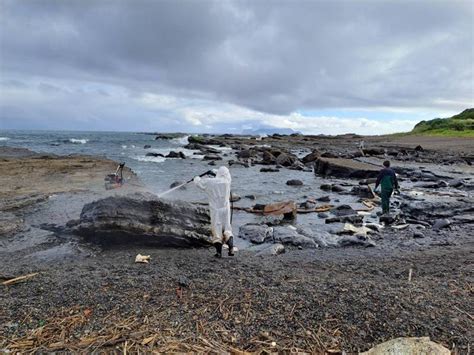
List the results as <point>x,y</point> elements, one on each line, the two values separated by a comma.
<point>251,197</point>
<point>441,223</point>
<point>345,168</point>
<point>146,146</point>
<point>326,187</point>
<point>289,235</point>
<point>387,219</point>
<point>328,155</point>
<point>294,182</point>
<point>154,155</point>
<point>256,233</point>
<point>245,154</point>
<point>212,157</point>
<point>183,281</point>
<point>354,219</point>
<point>343,210</point>
<point>176,155</point>
<point>362,191</point>
<point>419,148</point>
<point>286,159</point>
<point>311,157</point>
<point>268,158</point>
<point>234,162</point>
<point>418,235</point>
<point>212,163</point>
<point>269,170</point>
<point>323,215</point>
<point>143,218</point>
<point>324,199</point>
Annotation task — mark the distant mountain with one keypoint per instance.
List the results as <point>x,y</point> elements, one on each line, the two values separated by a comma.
<point>461,124</point>
<point>269,131</point>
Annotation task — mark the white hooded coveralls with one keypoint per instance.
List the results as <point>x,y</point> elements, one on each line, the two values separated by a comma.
<point>218,192</point>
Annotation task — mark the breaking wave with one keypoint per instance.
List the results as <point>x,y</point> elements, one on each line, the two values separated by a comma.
<point>4,138</point>
<point>181,140</point>
<point>78,141</point>
<point>150,159</point>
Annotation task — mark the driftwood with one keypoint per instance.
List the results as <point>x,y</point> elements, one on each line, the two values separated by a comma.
<point>19,279</point>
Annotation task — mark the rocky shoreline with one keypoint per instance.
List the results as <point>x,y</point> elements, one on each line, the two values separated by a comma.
<point>345,281</point>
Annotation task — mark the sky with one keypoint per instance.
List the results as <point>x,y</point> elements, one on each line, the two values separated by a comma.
<point>330,67</point>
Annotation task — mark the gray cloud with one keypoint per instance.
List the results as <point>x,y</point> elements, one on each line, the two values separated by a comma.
<point>275,57</point>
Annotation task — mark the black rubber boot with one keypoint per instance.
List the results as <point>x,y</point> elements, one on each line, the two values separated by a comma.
<point>230,243</point>
<point>218,250</point>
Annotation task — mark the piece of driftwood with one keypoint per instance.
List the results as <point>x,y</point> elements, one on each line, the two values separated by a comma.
<point>19,279</point>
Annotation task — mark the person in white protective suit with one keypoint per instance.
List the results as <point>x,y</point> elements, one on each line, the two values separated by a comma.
<point>218,192</point>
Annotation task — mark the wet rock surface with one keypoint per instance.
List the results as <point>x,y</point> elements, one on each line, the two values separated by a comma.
<point>146,219</point>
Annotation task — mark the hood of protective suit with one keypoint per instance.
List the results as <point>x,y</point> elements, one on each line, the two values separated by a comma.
<point>224,173</point>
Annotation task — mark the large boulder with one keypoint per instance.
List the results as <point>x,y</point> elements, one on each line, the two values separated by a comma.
<point>256,233</point>
<point>286,159</point>
<point>315,154</point>
<point>345,168</point>
<point>144,218</point>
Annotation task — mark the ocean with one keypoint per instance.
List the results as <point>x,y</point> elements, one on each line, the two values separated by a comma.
<point>159,173</point>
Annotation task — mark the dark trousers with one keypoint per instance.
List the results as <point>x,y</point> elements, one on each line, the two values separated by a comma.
<point>385,195</point>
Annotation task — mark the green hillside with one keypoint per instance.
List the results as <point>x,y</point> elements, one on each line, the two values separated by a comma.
<point>460,125</point>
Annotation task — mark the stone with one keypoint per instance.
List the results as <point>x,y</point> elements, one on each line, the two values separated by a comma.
<point>289,235</point>
<point>441,223</point>
<point>323,215</point>
<point>251,197</point>
<point>154,155</point>
<point>345,168</point>
<point>144,218</point>
<point>286,159</point>
<point>176,155</point>
<point>419,148</point>
<point>10,224</point>
<point>268,158</point>
<point>311,157</point>
<point>418,235</point>
<point>146,146</point>
<point>343,210</point>
<point>294,182</point>
<point>212,157</point>
<point>354,219</point>
<point>387,219</point>
<point>245,154</point>
<point>324,199</point>
<point>408,346</point>
<point>269,170</point>
<point>256,233</point>
<point>275,249</point>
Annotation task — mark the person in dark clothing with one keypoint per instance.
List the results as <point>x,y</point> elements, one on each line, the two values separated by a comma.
<point>388,182</point>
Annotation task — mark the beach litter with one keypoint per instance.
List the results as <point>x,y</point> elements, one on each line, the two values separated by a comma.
<point>19,279</point>
<point>144,259</point>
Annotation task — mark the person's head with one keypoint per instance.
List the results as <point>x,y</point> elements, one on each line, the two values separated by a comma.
<point>386,163</point>
<point>223,172</point>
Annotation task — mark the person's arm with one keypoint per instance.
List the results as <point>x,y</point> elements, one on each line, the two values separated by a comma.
<point>200,182</point>
<point>379,178</point>
<point>395,180</point>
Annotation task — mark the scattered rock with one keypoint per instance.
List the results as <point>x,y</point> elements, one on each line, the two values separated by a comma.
<point>274,249</point>
<point>286,159</point>
<point>324,199</point>
<point>441,223</point>
<point>251,197</point>
<point>154,155</point>
<point>176,155</point>
<point>256,233</point>
<point>294,182</point>
<point>289,235</point>
<point>146,146</point>
<point>311,157</point>
<point>344,210</point>
<point>212,157</point>
<point>408,346</point>
<point>269,170</point>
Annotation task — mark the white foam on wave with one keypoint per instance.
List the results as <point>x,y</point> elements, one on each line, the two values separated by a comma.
<point>78,141</point>
<point>220,148</point>
<point>188,152</point>
<point>124,146</point>
<point>150,159</point>
<point>4,138</point>
<point>181,140</point>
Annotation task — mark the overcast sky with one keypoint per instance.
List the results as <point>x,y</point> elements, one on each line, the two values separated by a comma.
<point>367,67</point>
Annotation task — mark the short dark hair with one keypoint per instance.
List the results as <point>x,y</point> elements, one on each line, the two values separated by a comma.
<point>386,163</point>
